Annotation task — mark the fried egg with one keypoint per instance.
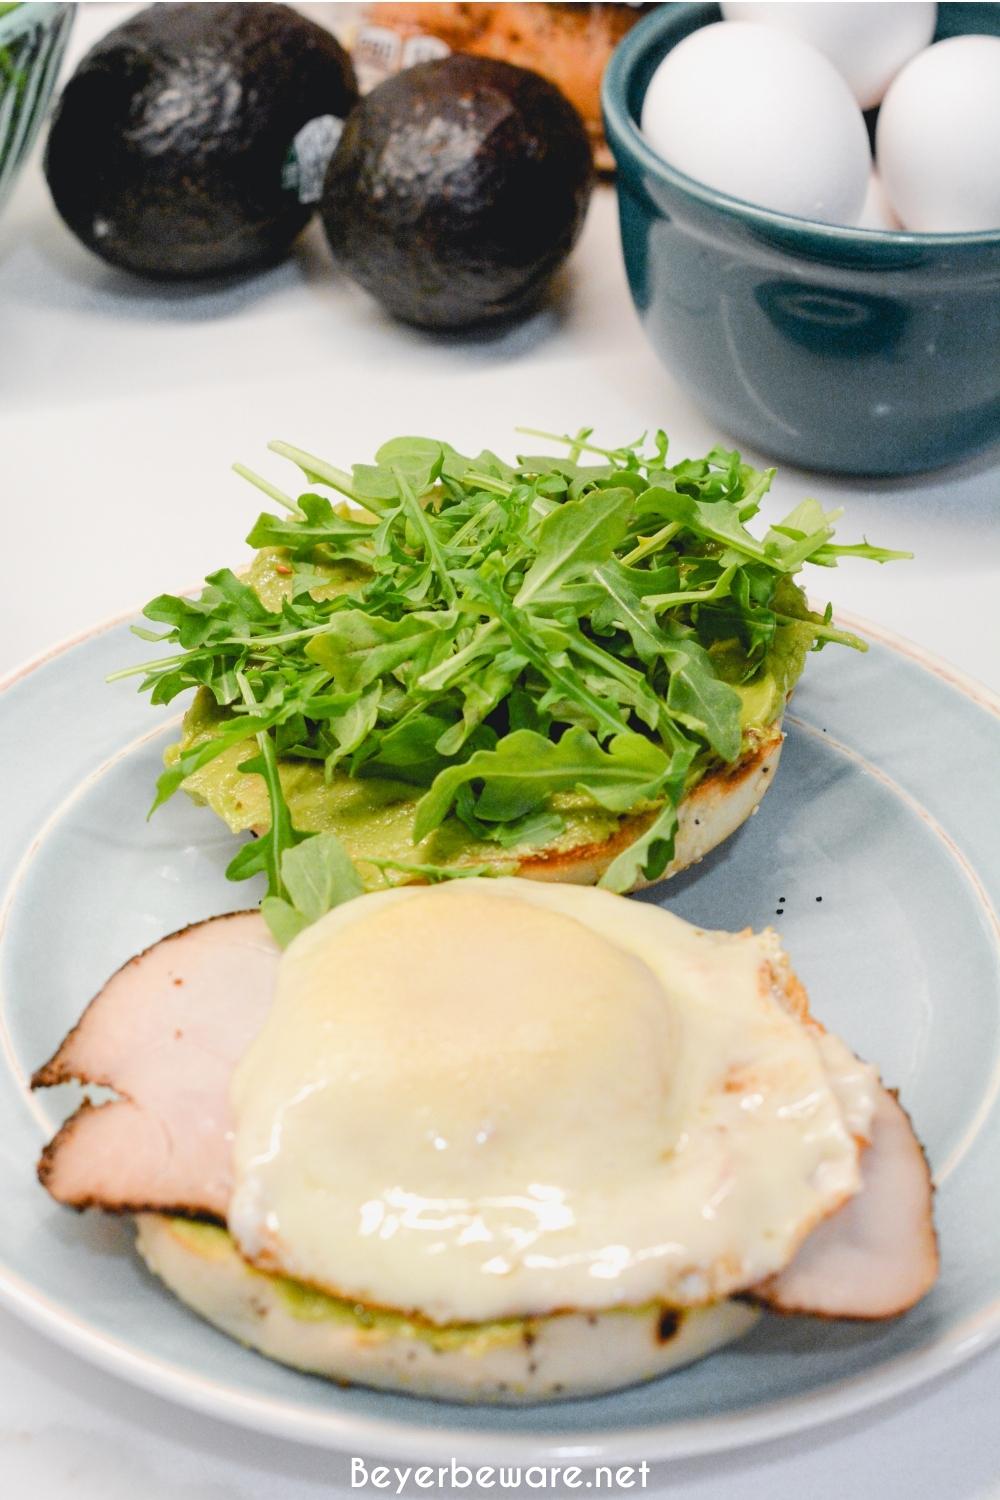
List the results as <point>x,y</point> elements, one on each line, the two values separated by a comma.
<point>500,1099</point>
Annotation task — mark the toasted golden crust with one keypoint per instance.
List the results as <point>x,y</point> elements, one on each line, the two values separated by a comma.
<point>716,807</point>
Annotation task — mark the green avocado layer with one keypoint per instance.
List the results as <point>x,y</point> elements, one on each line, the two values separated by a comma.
<point>213,1243</point>
<point>373,817</point>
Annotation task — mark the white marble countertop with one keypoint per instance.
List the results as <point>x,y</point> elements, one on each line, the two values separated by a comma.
<point>121,408</point>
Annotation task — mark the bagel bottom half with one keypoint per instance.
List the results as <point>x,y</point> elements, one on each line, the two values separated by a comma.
<point>556,1357</point>
<point>712,810</point>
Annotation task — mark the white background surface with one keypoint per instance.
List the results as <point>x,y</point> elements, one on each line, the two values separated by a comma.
<point>121,408</point>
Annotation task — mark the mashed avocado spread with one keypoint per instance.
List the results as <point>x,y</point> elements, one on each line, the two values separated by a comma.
<point>212,1243</point>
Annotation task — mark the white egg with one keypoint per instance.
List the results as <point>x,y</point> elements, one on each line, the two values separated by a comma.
<point>938,138</point>
<point>758,113</point>
<point>868,41</point>
<point>876,211</point>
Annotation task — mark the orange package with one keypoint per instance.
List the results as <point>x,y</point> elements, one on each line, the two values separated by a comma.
<point>569,44</point>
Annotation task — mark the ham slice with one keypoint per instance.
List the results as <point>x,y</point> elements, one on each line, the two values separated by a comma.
<point>165,1033</point>
<point>168,1028</point>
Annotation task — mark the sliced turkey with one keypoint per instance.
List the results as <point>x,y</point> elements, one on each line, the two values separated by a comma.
<point>877,1255</point>
<point>165,1033</point>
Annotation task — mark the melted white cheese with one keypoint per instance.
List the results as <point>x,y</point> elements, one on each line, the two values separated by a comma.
<point>497,1097</point>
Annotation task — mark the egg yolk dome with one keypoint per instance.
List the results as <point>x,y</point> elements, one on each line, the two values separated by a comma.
<point>496,1098</point>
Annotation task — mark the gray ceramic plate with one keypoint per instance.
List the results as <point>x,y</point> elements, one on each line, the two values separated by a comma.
<point>885,807</point>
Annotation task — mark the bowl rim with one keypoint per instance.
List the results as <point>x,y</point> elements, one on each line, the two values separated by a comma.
<point>27,15</point>
<point>625,138</point>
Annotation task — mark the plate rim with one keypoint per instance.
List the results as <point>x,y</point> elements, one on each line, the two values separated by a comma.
<point>396,1438</point>
<point>392,1438</point>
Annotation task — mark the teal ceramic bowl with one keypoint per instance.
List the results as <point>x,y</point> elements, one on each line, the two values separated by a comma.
<point>849,350</point>
<point>32,41</point>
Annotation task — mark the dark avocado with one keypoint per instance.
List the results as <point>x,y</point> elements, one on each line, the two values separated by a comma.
<point>167,149</point>
<point>457,189</point>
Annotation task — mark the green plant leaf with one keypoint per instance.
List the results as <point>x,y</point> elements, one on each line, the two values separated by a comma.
<point>647,856</point>
<point>357,648</point>
<point>525,769</point>
<point>571,540</point>
<point>263,855</point>
<point>282,918</point>
<point>699,700</point>
<point>318,875</point>
<point>317,525</point>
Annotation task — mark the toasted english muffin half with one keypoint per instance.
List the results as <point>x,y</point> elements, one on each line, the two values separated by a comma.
<point>557,1357</point>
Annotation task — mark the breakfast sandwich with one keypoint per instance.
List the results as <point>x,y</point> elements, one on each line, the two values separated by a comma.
<point>489,1140</point>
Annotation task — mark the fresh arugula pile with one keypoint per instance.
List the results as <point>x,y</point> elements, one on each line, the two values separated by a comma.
<point>512,632</point>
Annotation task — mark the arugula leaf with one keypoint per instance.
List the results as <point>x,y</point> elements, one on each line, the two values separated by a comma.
<point>624,608</point>
<point>551,666</point>
<point>317,874</point>
<point>711,521</point>
<point>351,728</point>
<point>572,540</point>
<point>357,648</point>
<point>525,769</point>
<point>647,856</point>
<point>419,459</point>
<point>316,525</point>
<point>283,919</point>
<point>695,695</point>
<point>263,855</point>
<point>532,831</point>
<point>699,700</point>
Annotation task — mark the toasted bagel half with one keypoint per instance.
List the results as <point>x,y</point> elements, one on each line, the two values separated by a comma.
<point>715,808</point>
<point>557,1357</point>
